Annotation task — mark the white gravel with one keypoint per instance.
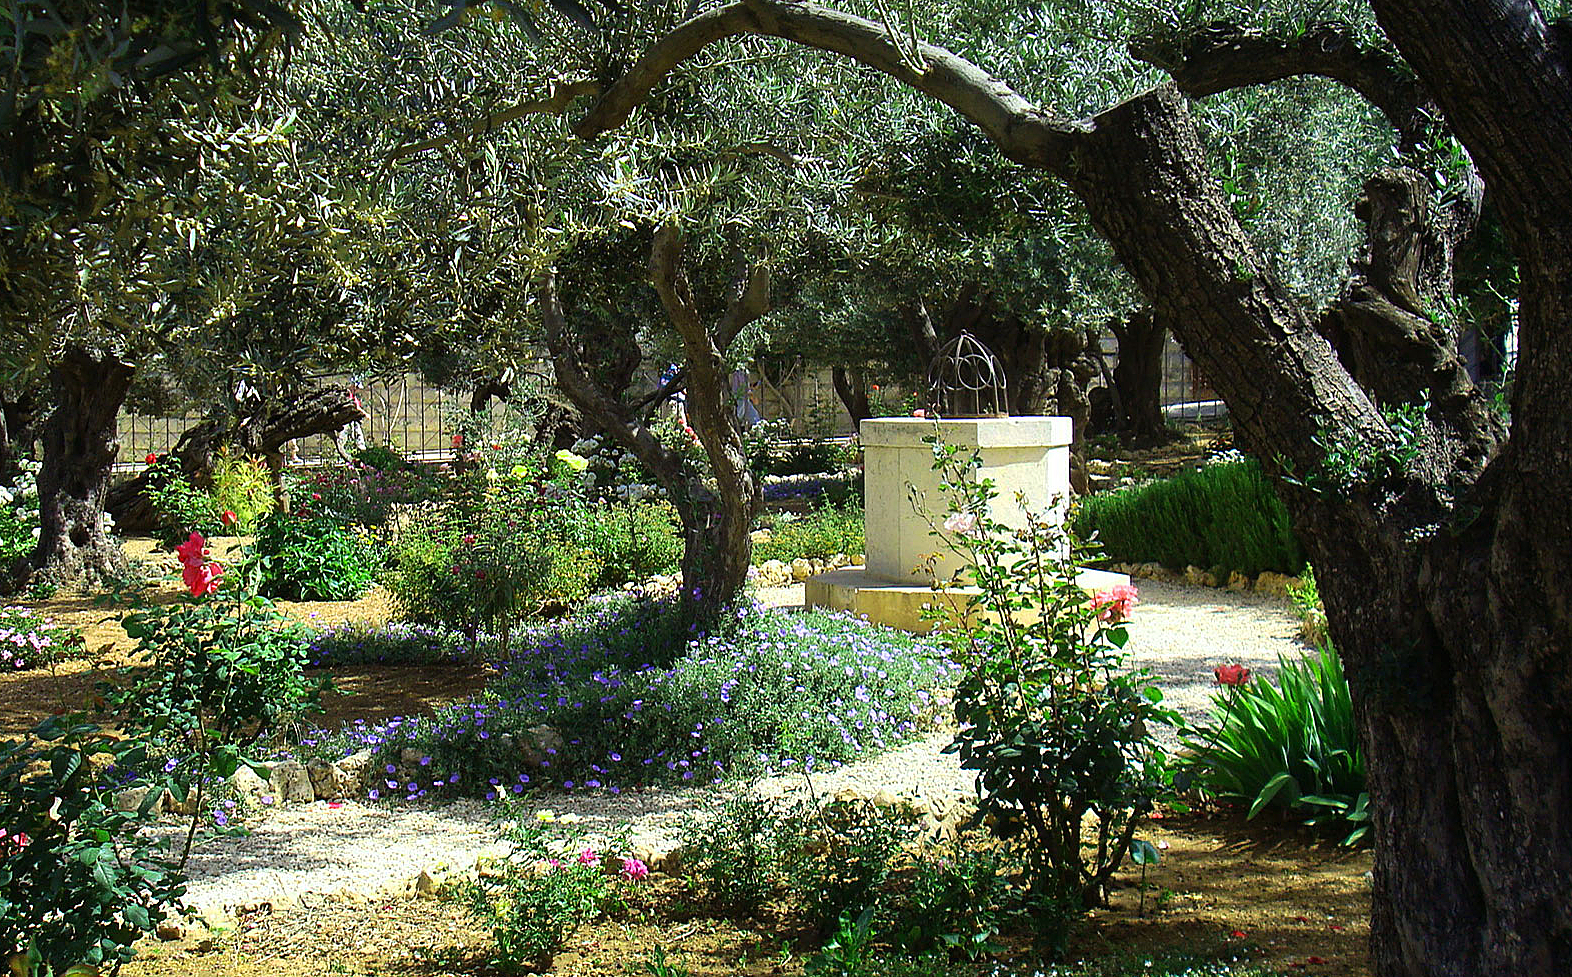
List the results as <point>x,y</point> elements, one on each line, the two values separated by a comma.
<point>355,851</point>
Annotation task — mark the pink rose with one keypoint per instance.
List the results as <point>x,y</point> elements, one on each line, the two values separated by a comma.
<point>589,857</point>
<point>1116,604</point>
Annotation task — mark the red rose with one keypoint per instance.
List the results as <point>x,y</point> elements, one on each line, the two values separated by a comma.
<point>228,518</point>
<point>151,458</point>
<point>1234,675</point>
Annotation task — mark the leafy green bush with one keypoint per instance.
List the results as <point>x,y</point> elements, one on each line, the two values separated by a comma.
<point>742,853</point>
<point>817,535</point>
<point>181,508</point>
<point>634,541</point>
<point>1306,597</point>
<point>484,576</point>
<point>382,458</point>
<point>1293,746</point>
<point>29,640</point>
<point>957,903</point>
<point>1224,516</point>
<point>311,557</point>
<point>362,494</point>
<point>80,881</point>
<point>242,486</point>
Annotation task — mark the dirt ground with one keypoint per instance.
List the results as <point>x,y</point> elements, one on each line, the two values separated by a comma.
<point>1264,894</point>
<point>370,692</point>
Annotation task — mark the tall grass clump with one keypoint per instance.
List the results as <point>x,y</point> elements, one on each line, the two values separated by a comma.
<point>1223,516</point>
<point>1293,746</point>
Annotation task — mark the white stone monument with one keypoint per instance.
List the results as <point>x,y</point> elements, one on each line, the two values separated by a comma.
<point>1027,458</point>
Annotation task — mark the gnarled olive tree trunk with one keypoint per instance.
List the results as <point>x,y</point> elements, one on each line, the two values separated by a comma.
<point>81,438</point>
<point>717,518</point>
<point>261,434</point>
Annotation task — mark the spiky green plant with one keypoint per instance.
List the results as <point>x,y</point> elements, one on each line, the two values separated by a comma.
<point>1293,746</point>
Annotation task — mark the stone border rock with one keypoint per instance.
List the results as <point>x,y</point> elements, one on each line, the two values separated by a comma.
<point>1267,582</point>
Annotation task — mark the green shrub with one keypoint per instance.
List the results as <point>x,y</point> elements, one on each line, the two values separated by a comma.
<point>181,508</point>
<point>382,458</point>
<point>634,541</point>
<point>1224,516</point>
<point>957,903</point>
<point>1058,727</point>
<point>486,576</point>
<point>80,881</point>
<point>1293,746</point>
<point>742,854</point>
<point>1306,597</point>
<point>243,486</point>
<point>361,494</point>
<point>817,535</point>
<point>311,557</point>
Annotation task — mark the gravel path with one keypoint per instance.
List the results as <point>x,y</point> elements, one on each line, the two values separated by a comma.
<point>353,851</point>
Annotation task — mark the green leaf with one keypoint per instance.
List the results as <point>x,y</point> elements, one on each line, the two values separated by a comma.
<point>1143,852</point>
<point>1270,791</point>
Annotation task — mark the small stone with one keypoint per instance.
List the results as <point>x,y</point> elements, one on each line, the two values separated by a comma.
<point>539,744</point>
<point>1274,584</point>
<point>353,770</point>
<point>170,804</point>
<point>839,560</point>
<point>130,799</point>
<point>325,781</point>
<point>425,885</point>
<point>291,783</point>
<point>801,569</point>
<point>169,929</point>
<point>247,784</point>
<point>887,799</point>
<point>1238,581</point>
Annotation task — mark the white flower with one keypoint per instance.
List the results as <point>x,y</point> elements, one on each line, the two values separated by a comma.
<point>961,523</point>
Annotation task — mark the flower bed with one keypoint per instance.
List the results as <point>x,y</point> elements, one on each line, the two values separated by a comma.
<point>618,698</point>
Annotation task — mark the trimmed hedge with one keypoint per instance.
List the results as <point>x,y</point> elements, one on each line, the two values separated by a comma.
<point>1224,516</point>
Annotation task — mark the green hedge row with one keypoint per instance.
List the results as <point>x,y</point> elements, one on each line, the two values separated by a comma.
<point>1223,516</point>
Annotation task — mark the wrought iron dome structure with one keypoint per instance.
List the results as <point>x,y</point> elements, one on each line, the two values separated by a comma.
<point>965,379</point>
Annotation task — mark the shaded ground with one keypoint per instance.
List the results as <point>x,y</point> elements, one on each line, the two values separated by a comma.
<point>1262,894</point>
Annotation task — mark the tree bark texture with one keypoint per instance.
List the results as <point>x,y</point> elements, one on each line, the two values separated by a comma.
<point>1443,568</point>
<point>81,438</point>
<point>1138,377</point>
<point>18,432</point>
<point>853,392</point>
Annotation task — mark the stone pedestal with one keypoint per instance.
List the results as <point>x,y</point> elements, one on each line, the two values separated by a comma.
<point>1027,458</point>
<point>1026,455</point>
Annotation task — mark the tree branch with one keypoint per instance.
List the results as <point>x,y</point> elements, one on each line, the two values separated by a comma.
<point>1222,56</point>
<point>592,399</point>
<point>1022,131</point>
<point>561,96</point>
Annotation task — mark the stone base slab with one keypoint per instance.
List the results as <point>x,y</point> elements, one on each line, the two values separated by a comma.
<point>900,605</point>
